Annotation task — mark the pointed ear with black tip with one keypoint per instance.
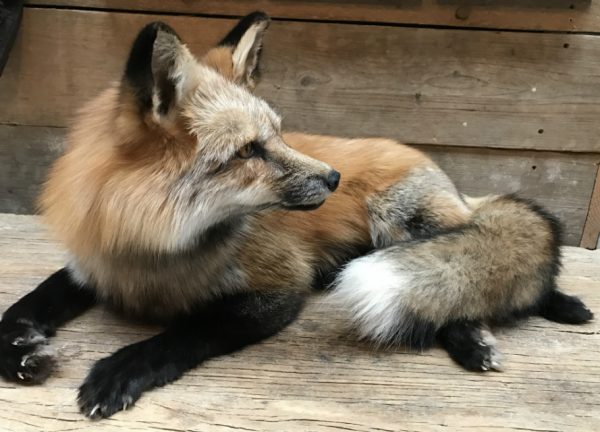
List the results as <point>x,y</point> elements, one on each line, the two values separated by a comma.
<point>159,70</point>
<point>241,48</point>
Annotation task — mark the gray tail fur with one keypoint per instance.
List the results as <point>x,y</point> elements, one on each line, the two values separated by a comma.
<point>499,265</point>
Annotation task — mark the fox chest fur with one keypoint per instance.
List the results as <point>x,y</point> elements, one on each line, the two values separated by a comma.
<point>162,285</point>
<point>239,255</point>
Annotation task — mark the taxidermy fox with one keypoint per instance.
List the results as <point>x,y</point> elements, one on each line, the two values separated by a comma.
<point>180,200</point>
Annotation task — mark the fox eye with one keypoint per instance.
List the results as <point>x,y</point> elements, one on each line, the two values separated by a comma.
<point>248,151</point>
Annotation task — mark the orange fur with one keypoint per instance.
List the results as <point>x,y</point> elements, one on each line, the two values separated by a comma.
<point>136,185</point>
<point>219,59</point>
<point>367,166</point>
<point>286,240</point>
<point>113,166</point>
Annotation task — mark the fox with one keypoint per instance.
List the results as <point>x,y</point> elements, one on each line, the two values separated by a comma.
<point>180,201</point>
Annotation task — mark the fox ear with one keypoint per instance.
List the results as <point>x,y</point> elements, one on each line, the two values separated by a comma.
<point>242,46</point>
<point>159,69</point>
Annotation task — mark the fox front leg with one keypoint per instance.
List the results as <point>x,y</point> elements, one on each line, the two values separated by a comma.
<point>25,356</point>
<point>221,327</point>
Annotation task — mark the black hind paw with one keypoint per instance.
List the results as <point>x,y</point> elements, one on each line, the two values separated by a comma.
<point>25,356</point>
<point>471,346</point>
<point>481,357</point>
<point>565,309</point>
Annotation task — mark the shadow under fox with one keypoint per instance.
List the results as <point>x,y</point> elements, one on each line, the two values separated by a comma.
<point>181,201</point>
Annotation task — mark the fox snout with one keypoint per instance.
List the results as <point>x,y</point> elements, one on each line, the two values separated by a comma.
<point>310,192</point>
<point>306,182</point>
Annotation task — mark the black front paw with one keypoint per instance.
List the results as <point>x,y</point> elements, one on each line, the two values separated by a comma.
<point>25,356</point>
<point>112,385</point>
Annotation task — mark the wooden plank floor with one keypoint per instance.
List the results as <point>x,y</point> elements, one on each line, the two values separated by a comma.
<point>312,377</point>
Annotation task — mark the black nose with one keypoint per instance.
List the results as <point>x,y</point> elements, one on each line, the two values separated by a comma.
<point>333,180</point>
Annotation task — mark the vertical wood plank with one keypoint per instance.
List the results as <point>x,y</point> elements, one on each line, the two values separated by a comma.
<point>591,230</point>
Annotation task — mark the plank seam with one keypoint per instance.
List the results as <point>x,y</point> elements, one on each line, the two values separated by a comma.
<point>305,20</point>
<point>591,154</point>
<point>13,124</point>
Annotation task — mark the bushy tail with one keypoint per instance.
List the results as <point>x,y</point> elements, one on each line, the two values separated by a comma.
<point>501,264</point>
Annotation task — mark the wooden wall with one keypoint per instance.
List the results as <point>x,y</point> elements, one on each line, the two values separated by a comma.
<point>505,95</point>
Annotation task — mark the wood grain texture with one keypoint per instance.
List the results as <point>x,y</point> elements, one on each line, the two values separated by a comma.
<point>553,15</point>
<point>561,182</point>
<point>591,230</point>
<point>421,86</point>
<point>25,156</point>
<point>313,377</point>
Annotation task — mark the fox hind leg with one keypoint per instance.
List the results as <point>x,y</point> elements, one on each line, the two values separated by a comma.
<point>471,345</point>
<point>562,308</point>
<point>423,204</point>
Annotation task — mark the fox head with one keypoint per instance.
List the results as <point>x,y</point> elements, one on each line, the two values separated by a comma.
<point>180,145</point>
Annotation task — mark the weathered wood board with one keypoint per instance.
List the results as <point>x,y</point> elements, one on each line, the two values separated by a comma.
<point>561,182</point>
<point>421,86</point>
<point>556,15</point>
<point>26,153</point>
<point>313,377</point>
